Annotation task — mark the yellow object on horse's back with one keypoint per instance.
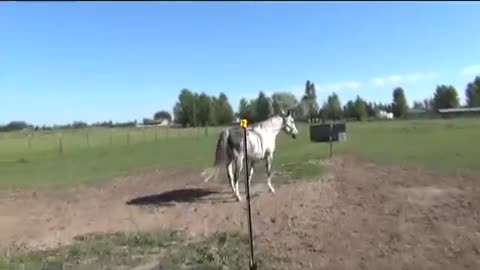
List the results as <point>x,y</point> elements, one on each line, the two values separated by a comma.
<point>244,123</point>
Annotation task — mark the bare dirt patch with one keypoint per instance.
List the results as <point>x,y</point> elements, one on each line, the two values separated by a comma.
<point>359,215</point>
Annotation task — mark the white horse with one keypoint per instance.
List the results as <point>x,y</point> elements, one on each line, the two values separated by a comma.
<point>261,140</point>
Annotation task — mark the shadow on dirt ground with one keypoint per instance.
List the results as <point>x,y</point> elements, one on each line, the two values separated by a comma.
<point>183,195</point>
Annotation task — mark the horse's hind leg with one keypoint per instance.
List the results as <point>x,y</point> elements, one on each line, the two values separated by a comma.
<point>238,170</point>
<point>268,165</point>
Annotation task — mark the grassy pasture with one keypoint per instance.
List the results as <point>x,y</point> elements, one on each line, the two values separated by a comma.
<point>98,154</point>
<point>438,144</point>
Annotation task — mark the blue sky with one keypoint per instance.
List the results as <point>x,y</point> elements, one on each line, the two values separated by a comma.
<point>96,61</point>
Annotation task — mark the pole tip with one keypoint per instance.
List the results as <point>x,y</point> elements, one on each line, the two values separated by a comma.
<point>244,123</point>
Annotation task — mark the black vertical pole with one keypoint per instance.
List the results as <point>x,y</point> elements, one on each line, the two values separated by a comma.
<point>253,265</point>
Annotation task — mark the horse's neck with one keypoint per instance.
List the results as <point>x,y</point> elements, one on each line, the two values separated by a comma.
<point>269,128</point>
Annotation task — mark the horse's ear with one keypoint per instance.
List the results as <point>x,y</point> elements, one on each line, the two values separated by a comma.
<point>288,113</point>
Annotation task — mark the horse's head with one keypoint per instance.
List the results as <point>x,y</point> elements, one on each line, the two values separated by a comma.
<point>289,124</point>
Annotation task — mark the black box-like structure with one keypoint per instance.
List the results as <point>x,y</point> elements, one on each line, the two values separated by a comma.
<point>322,132</point>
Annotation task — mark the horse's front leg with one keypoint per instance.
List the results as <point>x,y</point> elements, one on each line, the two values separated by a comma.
<point>252,167</point>
<point>268,165</point>
<point>238,170</point>
<point>230,175</point>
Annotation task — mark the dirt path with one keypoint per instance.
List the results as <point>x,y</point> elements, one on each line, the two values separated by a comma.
<point>361,216</point>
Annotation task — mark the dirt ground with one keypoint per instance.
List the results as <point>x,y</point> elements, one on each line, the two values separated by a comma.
<point>359,215</point>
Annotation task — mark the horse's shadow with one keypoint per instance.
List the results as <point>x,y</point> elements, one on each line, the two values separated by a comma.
<point>183,195</point>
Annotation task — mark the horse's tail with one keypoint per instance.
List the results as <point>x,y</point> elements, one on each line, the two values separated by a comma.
<point>221,150</point>
<point>220,156</point>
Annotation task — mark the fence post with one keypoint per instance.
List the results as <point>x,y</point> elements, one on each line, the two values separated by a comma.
<point>30,138</point>
<point>60,143</point>
<point>87,135</point>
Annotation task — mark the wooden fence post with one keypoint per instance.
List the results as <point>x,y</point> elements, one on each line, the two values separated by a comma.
<point>60,143</point>
<point>87,135</point>
<point>30,138</point>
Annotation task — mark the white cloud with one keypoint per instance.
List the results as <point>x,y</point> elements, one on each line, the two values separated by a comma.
<point>397,79</point>
<point>472,70</point>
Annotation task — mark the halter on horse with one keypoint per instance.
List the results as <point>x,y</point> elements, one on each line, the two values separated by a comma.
<point>261,140</point>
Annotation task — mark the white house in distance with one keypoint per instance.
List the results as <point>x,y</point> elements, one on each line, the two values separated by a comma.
<point>162,122</point>
<point>154,123</point>
<point>384,115</point>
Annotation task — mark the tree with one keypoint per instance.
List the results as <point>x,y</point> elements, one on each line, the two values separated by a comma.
<point>360,109</point>
<point>399,104</point>
<point>147,121</point>
<point>445,97</point>
<point>162,115</point>
<point>371,112</point>
<point>332,109</point>
<point>283,101</point>
<point>79,124</point>
<point>349,110</point>
<point>213,119</point>
<point>300,112</point>
<point>418,105</point>
<point>309,101</point>
<point>15,125</point>
<point>263,107</point>
<point>428,104</point>
<point>242,107</point>
<point>203,109</point>
<point>179,116</point>
<point>184,108</point>
<point>223,110</point>
<point>472,93</point>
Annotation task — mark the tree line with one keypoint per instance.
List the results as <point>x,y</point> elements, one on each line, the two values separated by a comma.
<point>193,109</point>
<point>199,109</point>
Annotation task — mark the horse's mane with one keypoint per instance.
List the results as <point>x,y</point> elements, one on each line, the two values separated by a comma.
<point>264,122</point>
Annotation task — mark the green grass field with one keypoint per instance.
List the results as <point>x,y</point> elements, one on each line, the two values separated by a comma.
<point>437,144</point>
<point>98,154</point>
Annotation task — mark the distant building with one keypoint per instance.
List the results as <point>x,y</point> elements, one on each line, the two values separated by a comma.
<point>454,112</point>
<point>154,123</point>
<point>384,115</point>
<point>162,122</point>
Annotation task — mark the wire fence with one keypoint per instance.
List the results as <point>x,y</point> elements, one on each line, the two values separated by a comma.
<point>60,140</point>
